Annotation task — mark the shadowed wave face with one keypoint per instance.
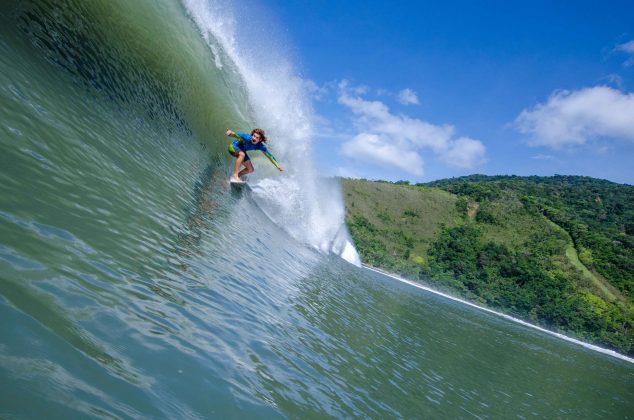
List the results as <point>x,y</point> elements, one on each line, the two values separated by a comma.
<point>133,283</point>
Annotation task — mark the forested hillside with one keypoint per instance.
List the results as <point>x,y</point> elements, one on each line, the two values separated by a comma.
<point>557,251</point>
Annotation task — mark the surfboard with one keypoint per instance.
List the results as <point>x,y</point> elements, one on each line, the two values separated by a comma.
<point>239,186</point>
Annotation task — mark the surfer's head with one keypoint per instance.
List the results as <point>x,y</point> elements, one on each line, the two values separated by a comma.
<point>257,135</point>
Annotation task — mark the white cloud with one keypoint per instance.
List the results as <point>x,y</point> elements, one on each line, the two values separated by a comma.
<point>407,97</point>
<point>373,148</point>
<point>375,116</point>
<point>398,140</point>
<point>465,153</point>
<point>382,92</point>
<point>543,157</point>
<point>614,79</point>
<point>315,91</point>
<point>357,90</point>
<point>627,48</point>
<point>573,118</point>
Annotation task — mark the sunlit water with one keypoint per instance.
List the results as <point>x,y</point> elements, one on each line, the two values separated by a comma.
<point>134,283</point>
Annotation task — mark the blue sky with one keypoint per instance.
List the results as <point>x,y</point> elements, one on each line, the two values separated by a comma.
<point>427,90</point>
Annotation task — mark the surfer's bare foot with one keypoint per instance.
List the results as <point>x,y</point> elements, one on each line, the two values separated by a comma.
<point>234,179</point>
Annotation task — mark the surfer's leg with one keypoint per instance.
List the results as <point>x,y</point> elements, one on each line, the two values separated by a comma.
<point>248,168</point>
<point>239,161</point>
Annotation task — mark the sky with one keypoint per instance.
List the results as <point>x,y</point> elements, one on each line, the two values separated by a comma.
<point>419,91</point>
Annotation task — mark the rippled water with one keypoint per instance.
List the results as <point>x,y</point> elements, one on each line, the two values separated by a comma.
<point>134,283</point>
<point>284,332</point>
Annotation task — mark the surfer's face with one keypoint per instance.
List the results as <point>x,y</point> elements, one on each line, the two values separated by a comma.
<point>255,138</point>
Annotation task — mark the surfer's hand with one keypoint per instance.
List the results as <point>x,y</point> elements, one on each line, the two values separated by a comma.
<point>280,169</point>
<point>229,132</point>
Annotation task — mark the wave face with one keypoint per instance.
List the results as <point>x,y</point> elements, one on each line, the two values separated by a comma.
<point>310,209</point>
<point>133,283</point>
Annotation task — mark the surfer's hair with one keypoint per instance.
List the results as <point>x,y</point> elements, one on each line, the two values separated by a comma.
<point>260,132</point>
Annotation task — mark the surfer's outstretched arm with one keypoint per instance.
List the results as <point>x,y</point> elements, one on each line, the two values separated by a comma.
<point>232,134</point>
<point>272,159</point>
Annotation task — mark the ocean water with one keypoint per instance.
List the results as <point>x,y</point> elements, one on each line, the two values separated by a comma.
<point>134,283</point>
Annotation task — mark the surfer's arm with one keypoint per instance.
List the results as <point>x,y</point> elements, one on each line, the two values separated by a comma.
<point>232,134</point>
<point>272,159</point>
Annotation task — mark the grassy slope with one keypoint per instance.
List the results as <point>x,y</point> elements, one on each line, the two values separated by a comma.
<point>394,227</point>
<point>406,219</point>
<point>603,286</point>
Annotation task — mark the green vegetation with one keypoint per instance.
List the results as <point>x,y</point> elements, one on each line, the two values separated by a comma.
<point>556,251</point>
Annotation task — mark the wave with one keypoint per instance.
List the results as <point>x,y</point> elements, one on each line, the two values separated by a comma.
<point>133,283</point>
<point>168,75</point>
<point>310,208</point>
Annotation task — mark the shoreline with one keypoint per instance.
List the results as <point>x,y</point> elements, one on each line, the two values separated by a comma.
<point>500,314</point>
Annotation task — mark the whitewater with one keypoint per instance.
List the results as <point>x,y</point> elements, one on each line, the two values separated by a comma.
<point>135,284</point>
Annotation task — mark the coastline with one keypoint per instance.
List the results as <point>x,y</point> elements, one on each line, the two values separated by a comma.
<point>500,314</point>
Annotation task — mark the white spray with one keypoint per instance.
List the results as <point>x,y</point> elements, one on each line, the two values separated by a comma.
<point>308,207</point>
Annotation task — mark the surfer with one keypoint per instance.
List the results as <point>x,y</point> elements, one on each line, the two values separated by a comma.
<point>239,147</point>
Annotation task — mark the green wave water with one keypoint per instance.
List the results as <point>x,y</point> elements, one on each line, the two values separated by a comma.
<point>133,283</point>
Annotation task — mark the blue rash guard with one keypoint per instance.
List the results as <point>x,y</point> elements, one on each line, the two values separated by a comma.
<point>243,143</point>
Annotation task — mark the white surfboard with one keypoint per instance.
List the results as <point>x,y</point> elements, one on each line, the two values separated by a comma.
<point>239,186</point>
